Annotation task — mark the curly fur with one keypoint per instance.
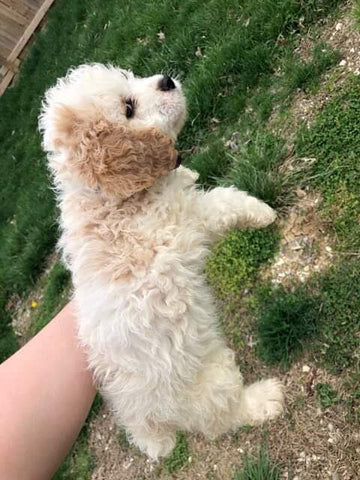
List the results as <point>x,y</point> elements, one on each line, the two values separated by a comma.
<point>119,160</point>
<point>135,234</point>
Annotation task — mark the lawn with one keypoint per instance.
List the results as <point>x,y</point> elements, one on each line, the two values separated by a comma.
<point>244,71</point>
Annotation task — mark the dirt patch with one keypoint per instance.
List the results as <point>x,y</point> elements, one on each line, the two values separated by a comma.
<point>308,441</point>
<point>305,246</point>
<point>313,442</point>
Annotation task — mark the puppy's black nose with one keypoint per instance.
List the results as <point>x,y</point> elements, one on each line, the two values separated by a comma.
<point>166,83</point>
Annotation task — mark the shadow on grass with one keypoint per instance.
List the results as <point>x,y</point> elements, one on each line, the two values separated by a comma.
<point>321,316</point>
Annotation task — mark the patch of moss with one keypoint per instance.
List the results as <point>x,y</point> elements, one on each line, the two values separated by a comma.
<point>235,260</point>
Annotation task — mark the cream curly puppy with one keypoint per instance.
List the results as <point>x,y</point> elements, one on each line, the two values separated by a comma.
<point>136,231</point>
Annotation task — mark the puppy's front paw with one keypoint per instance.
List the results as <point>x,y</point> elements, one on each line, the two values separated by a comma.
<point>264,215</point>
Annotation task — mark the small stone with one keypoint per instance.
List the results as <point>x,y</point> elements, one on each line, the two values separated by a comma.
<point>161,36</point>
<point>338,26</point>
<point>331,427</point>
<point>300,193</point>
<point>190,459</point>
<point>330,440</point>
<point>328,249</point>
<point>306,368</point>
<point>342,63</point>
<point>198,53</point>
<point>296,246</point>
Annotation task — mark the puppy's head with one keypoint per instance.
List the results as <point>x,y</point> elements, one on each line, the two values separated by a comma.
<point>110,130</point>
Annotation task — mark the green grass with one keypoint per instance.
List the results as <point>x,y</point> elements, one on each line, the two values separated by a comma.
<point>55,297</point>
<point>322,316</point>
<point>179,456</point>
<point>286,321</point>
<point>262,468</point>
<point>334,140</point>
<point>123,441</point>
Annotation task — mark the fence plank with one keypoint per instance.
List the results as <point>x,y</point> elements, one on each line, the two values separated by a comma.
<point>30,29</point>
<point>13,15</point>
<point>5,82</point>
<point>18,21</point>
<point>19,6</point>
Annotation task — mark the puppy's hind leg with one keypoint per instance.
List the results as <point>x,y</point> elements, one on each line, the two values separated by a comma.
<point>156,440</point>
<point>261,401</point>
<point>223,403</point>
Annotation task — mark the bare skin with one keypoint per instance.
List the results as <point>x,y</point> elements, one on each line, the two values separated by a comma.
<point>46,392</point>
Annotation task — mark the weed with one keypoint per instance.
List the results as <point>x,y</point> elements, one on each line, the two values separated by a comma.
<point>235,260</point>
<point>179,456</point>
<point>254,166</point>
<point>260,469</point>
<point>326,395</point>
<point>285,323</point>
<point>123,441</point>
<point>211,164</point>
<point>325,311</point>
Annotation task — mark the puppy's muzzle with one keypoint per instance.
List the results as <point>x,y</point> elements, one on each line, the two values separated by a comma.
<point>166,84</point>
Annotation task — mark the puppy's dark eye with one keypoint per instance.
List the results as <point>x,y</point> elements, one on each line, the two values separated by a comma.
<point>130,108</point>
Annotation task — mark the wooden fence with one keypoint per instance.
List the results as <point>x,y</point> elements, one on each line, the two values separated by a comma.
<point>18,21</point>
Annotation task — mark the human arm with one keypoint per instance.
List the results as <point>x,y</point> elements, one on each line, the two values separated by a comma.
<point>46,392</point>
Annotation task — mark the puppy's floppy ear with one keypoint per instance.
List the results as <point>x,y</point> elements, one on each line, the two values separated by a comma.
<point>120,160</point>
<point>69,124</point>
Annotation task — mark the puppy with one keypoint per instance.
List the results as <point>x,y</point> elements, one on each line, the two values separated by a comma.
<point>136,231</point>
